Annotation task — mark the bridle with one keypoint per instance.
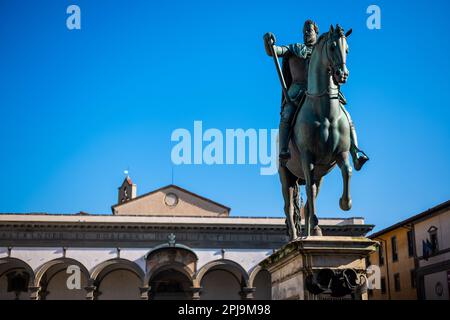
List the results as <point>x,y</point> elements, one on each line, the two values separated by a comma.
<point>339,64</point>
<point>332,70</point>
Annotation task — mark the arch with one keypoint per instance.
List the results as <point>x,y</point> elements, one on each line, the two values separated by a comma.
<point>103,268</point>
<point>263,287</point>
<point>9,263</point>
<point>179,267</point>
<point>129,277</point>
<point>253,273</point>
<point>223,264</point>
<point>51,270</point>
<point>222,279</point>
<point>12,277</point>
<point>170,246</point>
<point>43,269</point>
<point>178,279</point>
<point>175,256</point>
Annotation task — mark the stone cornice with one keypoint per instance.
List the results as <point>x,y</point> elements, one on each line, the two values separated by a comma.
<point>323,245</point>
<point>257,222</point>
<point>132,231</point>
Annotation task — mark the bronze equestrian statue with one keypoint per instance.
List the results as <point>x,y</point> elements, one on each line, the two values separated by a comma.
<point>322,134</point>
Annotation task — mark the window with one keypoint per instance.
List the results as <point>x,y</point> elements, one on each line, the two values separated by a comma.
<point>383,285</point>
<point>410,243</point>
<point>381,255</point>
<point>397,281</point>
<point>413,279</point>
<point>394,248</point>
<point>433,239</point>
<point>18,281</point>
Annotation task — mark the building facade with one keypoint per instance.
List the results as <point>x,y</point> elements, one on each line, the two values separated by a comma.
<point>414,257</point>
<point>395,258</point>
<point>432,233</point>
<point>166,244</point>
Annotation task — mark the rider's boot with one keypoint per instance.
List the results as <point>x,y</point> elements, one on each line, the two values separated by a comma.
<point>359,157</point>
<point>283,132</point>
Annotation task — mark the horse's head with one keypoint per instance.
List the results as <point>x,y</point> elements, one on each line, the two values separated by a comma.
<point>337,50</point>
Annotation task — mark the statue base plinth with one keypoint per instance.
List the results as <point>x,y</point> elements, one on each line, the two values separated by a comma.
<point>320,267</point>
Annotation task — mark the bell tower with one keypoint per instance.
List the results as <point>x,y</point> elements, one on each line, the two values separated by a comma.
<point>127,190</point>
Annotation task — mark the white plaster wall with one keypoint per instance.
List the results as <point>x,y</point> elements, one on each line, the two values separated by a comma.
<point>135,255</point>
<point>91,257</point>
<point>247,258</point>
<point>3,252</point>
<point>36,257</point>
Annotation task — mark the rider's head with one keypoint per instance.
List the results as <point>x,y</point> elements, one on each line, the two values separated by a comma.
<point>310,32</point>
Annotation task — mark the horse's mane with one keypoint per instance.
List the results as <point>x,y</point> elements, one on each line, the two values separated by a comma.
<point>339,30</point>
<point>324,36</point>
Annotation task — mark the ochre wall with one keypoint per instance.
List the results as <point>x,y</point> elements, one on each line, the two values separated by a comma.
<point>403,266</point>
<point>154,204</point>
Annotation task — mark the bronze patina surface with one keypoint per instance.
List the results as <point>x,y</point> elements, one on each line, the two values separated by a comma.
<point>316,132</point>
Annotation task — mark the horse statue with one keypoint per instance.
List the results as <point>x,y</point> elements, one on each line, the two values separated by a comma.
<point>321,132</point>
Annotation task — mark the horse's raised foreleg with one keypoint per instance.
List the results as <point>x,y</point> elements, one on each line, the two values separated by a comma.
<point>345,202</point>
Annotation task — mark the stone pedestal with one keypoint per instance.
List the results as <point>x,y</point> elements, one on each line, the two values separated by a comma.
<point>300,264</point>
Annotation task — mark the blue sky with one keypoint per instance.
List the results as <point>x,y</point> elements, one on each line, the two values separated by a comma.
<point>79,107</point>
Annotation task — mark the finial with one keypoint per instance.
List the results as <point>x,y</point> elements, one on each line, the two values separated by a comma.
<point>118,252</point>
<point>222,252</point>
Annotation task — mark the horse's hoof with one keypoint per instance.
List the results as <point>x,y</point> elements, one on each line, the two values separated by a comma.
<point>345,204</point>
<point>317,231</point>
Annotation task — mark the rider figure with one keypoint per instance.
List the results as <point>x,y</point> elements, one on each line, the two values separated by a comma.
<point>295,71</point>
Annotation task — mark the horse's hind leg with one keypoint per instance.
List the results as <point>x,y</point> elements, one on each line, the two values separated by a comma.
<point>346,200</point>
<point>315,229</point>
<point>288,185</point>
<point>311,191</point>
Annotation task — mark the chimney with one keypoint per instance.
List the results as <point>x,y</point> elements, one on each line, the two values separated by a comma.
<point>127,190</point>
